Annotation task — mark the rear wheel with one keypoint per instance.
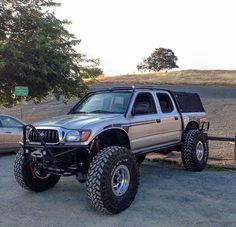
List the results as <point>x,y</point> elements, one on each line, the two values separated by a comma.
<point>30,178</point>
<point>195,150</point>
<point>113,179</point>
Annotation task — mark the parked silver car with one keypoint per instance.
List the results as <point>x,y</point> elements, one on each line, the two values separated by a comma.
<point>10,133</point>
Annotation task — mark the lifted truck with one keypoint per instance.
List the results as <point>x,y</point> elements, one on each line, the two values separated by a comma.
<point>104,138</point>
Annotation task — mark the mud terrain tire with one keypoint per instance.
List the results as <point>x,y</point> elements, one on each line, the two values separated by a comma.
<point>104,180</point>
<point>195,150</point>
<point>25,178</point>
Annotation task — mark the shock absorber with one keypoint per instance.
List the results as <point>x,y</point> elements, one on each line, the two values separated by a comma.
<point>82,173</point>
<point>97,144</point>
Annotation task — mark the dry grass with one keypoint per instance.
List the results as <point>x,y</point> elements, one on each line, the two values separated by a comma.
<point>184,77</point>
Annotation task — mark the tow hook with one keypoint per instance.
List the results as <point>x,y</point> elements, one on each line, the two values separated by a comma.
<point>37,154</point>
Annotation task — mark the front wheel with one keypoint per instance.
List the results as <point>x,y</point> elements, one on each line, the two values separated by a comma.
<point>29,178</point>
<point>113,179</point>
<point>195,150</point>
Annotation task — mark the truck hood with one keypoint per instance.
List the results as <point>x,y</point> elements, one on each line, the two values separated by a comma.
<point>75,121</point>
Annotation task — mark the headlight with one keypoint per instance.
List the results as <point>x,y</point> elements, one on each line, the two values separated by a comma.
<point>77,136</point>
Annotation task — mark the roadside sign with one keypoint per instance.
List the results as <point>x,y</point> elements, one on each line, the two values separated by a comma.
<point>21,91</point>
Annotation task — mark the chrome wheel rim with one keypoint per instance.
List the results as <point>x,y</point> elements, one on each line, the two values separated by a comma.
<point>200,150</point>
<point>120,180</point>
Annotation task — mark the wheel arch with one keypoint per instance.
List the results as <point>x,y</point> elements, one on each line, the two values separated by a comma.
<point>113,137</point>
<point>192,125</point>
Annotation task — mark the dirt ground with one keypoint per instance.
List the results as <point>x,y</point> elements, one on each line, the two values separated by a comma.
<point>167,196</point>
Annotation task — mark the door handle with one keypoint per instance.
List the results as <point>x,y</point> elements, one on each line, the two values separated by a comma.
<point>176,118</point>
<point>158,120</point>
<point>8,132</point>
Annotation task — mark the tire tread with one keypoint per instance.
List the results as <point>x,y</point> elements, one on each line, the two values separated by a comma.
<point>98,167</point>
<point>188,153</point>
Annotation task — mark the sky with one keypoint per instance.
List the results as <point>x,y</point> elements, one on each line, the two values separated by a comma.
<point>202,33</point>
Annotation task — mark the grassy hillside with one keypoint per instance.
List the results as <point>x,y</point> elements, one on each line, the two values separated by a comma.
<point>184,77</point>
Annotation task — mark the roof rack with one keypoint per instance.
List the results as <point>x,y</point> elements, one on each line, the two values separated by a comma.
<point>125,88</point>
<point>122,87</point>
<point>134,87</point>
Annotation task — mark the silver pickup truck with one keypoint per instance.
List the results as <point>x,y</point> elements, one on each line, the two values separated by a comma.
<point>104,138</point>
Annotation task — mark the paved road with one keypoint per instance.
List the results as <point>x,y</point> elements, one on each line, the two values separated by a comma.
<point>168,196</point>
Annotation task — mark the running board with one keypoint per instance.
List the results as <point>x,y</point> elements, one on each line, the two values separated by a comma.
<point>158,149</point>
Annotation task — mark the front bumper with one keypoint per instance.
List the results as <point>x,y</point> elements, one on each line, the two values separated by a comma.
<point>48,148</point>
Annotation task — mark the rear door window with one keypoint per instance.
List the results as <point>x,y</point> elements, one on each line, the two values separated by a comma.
<point>165,102</point>
<point>146,98</point>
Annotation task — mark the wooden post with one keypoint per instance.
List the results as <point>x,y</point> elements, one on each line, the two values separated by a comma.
<point>235,147</point>
<point>21,109</point>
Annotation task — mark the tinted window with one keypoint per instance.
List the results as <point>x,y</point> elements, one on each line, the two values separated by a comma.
<point>165,102</point>
<point>8,122</point>
<point>145,99</point>
<point>107,102</point>
<point>189,102</point>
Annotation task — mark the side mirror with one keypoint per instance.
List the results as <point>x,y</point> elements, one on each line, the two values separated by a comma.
<point>140,108</point>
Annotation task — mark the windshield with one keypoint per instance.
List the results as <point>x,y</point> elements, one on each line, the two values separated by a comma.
<point>106,102</point>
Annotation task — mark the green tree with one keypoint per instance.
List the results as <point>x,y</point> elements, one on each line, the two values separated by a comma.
<point>93,69</point>
<point>160,59</point>
<point>37,51</point>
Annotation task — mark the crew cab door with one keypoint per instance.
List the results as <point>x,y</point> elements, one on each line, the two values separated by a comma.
<point>170,127</point>
<point>143,121</point>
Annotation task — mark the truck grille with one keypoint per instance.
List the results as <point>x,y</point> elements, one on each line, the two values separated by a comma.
<point>49,136</point>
